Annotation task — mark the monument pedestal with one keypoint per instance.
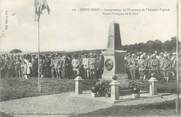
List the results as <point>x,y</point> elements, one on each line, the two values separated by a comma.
<point>114,63</point>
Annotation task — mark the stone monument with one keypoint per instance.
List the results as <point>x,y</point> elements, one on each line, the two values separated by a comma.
<point>114,63</point>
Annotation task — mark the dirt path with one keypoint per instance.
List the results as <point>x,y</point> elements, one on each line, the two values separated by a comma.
<point>67,104</point>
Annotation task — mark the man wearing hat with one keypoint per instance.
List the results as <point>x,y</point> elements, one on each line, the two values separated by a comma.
<point>85,63</point>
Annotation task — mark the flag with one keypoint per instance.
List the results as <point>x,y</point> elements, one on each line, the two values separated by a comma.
<point>40,6</point>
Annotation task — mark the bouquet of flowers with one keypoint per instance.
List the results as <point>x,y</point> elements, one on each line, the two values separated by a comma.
<point>101,88</point>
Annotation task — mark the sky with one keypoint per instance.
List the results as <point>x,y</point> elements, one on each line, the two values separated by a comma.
<point>66,29</point>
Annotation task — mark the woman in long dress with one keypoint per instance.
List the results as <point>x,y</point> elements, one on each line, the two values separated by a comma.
<point>29,66</point>
<point>24,69</point>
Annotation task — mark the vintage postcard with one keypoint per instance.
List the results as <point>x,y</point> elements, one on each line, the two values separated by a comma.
<point>85,58</point>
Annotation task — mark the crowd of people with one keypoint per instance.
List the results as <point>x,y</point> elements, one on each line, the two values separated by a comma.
<point>141,65</point>
<point>90,66</point>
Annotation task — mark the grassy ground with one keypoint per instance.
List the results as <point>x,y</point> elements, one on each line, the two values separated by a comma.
<point>14,88</point>
<point>5,115</point>
<point>168,87</point>
<point>163,86</point>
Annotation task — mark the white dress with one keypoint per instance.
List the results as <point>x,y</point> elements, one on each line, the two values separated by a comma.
<point>29,65</point>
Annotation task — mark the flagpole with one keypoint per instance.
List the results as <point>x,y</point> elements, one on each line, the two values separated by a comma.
<point>177,56</point>
<point>0,26</point>
<point>39,7</point>
<point>39,84</point>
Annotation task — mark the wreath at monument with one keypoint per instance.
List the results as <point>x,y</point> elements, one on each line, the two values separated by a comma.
<point>101,88</point>
<point>135,87</point>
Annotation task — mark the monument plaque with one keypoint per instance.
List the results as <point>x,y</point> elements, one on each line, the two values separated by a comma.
<point>114,56</point>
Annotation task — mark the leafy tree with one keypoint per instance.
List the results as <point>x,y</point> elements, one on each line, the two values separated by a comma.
<point>151,46</point>
<point>16,51</point>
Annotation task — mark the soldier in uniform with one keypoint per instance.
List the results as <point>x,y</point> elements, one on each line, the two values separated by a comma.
<point>173,65</point>
<point>43,65</point>
<point>154,65</point>
<point>59,66</point>
<point>17,67</point>
<point>41,68</point>
<point>148,66</point>
<point>161,65</point>
<point>167,67</point>
<point>92,61</point>
<point>24,68</point>
<point>137,57</point>
<point>69,67</point>
<point>56,66</point>
<point>99,66</point>
<point>4,66</point>
<point>46,66</point>
<point>65,67</point>
<point>132,66</point>
<point>9,64</point>
<point>142,67</point>
<point>34,66</point>
<point>127,60</point>
<point>75,64</point>
<point>85,63</point>
<point>1,66</point>
<point>52,66</point>
<point>81,67</point>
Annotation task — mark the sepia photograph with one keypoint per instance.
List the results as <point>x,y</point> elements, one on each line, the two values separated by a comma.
<point>85,58</point>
